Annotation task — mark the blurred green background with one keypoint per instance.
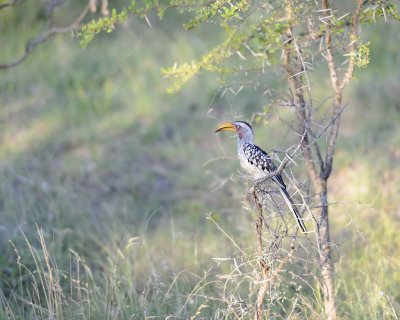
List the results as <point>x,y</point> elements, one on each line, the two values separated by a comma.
<point>107,180</point>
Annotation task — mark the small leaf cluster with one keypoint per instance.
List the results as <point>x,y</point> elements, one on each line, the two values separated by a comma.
<point>263,36</point>
<point>362,55</point>
<point>138,8</point>
<point>260,29</point>
<point>227,10</point>
<point>106,24</point>
<point>210,61</point>
<point>383,9</point>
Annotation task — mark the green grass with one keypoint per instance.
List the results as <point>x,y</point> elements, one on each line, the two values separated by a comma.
<point>106,185</point>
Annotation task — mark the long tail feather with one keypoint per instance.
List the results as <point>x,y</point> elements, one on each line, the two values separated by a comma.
<point>293,209</point>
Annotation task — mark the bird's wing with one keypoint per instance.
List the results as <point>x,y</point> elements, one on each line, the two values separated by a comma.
<point>259,158</point>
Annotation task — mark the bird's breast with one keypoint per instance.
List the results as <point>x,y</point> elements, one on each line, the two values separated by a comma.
<point>251,169</point>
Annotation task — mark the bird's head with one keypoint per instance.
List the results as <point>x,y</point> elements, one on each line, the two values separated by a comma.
<point>242,128</point>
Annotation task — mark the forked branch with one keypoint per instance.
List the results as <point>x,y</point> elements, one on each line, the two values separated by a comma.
<point>338,85</point>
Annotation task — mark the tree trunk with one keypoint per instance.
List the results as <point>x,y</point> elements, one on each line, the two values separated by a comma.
<point>326,263</point>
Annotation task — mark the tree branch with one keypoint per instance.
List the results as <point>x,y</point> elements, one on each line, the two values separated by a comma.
<point>328,43</point>
<point>338,85</point>
<point>316,148</point>
<point>272,174</point>
<point>263,264</point>
<point>32,44</point>
<point>299,102</point>
<point>352,46</point>
<point>8,4</point>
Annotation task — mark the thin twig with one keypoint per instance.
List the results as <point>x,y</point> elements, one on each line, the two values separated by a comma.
<point>274,173</point>
<point>209,217</point>
<point>32,44</point>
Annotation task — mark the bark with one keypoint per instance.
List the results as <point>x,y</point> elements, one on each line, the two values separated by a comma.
<point>316,174</point>
<point>319,169</point>
<point>263,265</point>
<point>326,264</point>
<point>338,86</point>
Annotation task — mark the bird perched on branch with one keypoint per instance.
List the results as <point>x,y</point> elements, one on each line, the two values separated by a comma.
<point>257,162</point>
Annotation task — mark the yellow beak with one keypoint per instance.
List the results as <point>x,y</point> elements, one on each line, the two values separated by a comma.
<point>226,126</point>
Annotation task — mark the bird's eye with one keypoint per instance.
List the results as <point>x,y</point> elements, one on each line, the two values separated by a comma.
<point>237,127</point>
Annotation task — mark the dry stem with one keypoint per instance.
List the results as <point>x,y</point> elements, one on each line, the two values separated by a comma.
<point>266,276</point>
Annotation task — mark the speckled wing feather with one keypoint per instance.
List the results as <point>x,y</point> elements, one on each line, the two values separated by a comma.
<point>262,161</point>
<point>259,158</point>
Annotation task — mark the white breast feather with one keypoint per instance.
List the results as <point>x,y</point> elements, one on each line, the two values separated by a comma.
<point>252,170</point>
